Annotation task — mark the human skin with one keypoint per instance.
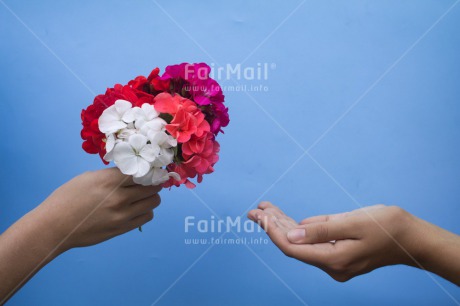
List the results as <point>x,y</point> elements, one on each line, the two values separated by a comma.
<point>87,210</point>
<point>353,243</point>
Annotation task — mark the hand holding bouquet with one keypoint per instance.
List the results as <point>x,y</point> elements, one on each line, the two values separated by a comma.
<point>159,129</point>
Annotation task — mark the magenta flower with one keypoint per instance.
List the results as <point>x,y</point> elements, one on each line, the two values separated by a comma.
<point>192,81</point>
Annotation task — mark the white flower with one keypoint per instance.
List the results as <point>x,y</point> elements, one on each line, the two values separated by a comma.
<point>147,119</point>
<point>127,131</point>
<point>134,157</point>
<point>136,140</point>
<point>155,125</point>
<point>156,176</point>
<point>144,113</point>
<point>115,117</point>
<point>163,139</point>
<point>165,142</point>
<point>110,142</point>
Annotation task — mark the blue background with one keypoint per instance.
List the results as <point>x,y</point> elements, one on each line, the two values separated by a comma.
<point>398,145</point>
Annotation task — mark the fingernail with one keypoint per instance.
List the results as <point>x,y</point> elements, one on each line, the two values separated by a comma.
<point>263,204</point>
<point>296,235</point>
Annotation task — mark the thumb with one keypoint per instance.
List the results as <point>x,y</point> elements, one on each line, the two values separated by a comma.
<point>321,232</point>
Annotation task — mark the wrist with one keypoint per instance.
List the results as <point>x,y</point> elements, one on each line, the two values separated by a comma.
<point>438,251</point>
<point>414,239</point>
<point>425,242</point>
<point>46,225</point>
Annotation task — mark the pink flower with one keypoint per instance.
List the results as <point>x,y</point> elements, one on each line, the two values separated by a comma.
<point>202,126</point>
<point>192,81</point>
<point>182,126</point>
<point>200,154</point>
<point>168,104</point>
<point>217,115</point>
<point>187,118</point>
<point>206,91</point>
<point>195,145</point>
<point>175,71</point>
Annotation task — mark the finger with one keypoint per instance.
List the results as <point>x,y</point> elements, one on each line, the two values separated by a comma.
<point>276,211</point>
<point>286,223</point>
<point>139,221</point>
<point>368,208</point>
<point>266,204</point>
<point>114,175</point>
<point>318,254</point>
<point>128,181</point>
<point>323,218</point>
<point>283,221</point>
<point>323,232</point>
<point>252,215</point>
<point>312,254</point>
<point>143,206</point>
<point>139,192</point>
<point>260,217</point>
<point>269,223</point>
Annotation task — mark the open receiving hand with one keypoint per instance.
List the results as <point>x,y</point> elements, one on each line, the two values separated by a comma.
<point>349,244</point>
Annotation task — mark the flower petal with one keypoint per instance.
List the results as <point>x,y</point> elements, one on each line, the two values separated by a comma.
<point>143,167</point>
<point>109,122</point>
<point>110,143</point>
<point>137,141</point>
<point>108,157</point>
<point>174,175</point>
<point>172,142</point>
<point>149,111</point>
<point>164,158</point>
<point>149,152</point>
<point>122,106</point>
<point>125,158</point>
<point>156,124</point>
<point>125,133</point>
<point>159,176</point>
<point>130,114</point>
<point>145,180</point>
<point>139,124</point>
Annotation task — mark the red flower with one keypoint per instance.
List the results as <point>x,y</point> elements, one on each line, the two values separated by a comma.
<point>94,139</point>
<point>150,85</point>
<point>157,83</point>
<point>138,83</point>
<point>184,172</point>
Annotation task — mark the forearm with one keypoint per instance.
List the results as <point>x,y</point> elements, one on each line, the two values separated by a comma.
<point>439,251</point>
<point>87,210</point>
<point>25,248</point>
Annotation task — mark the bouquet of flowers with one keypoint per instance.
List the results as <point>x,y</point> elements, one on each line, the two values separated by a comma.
<point>159,129</point>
